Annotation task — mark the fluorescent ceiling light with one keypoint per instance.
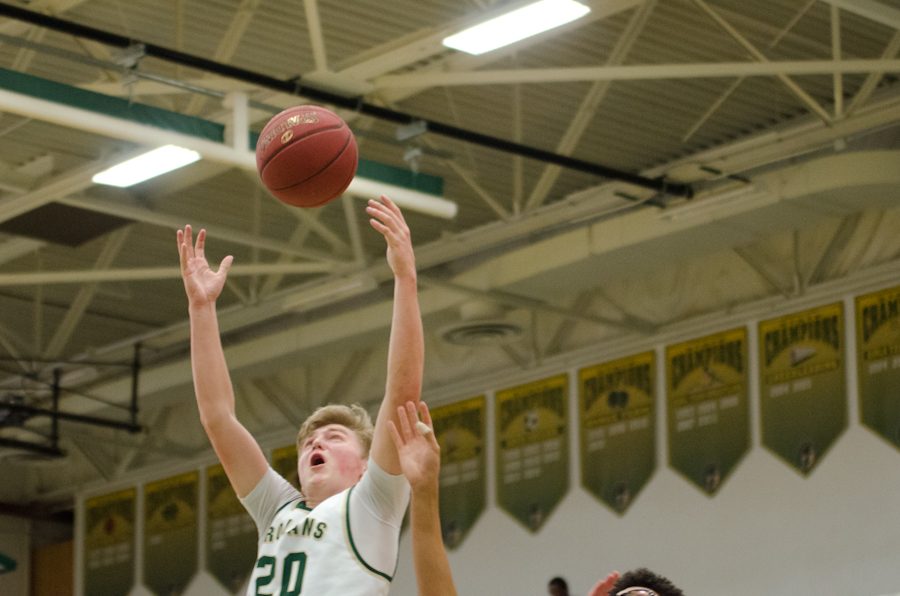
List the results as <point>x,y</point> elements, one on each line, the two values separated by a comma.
<point>515,25</point>
<point>146,166</point>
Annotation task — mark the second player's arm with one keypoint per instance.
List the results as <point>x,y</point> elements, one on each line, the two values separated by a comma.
<point>433,575</point>
<point>406,351</point>
<point>240,455</point>
<point>420,458</point>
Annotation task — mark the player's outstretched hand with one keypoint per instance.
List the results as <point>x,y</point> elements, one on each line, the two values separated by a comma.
<point>417,448</point>
<point>602,587</point>
<point>385,216</point>
<point>202,284</point>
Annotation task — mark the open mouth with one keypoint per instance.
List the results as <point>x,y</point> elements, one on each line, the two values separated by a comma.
<point>316,460</point>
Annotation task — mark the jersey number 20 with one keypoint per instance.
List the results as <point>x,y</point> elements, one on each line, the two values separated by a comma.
<point>291,574</point>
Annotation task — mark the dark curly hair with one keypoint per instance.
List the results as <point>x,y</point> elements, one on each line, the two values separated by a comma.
<point>645,578</point>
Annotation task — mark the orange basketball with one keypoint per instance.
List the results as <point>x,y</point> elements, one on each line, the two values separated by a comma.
<point>306,156</point>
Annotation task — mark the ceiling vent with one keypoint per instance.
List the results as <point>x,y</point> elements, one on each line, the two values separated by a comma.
<point>481,324</point>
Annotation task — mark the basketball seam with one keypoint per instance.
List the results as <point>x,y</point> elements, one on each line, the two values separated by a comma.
<point>318,132</point>
<point>323,201</point>
<point>325,167</point>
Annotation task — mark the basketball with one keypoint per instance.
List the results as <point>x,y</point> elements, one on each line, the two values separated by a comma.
<point>306,156</point>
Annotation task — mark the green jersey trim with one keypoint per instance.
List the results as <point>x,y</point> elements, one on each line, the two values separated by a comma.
<point>353,544</point>
<point>291,502</point>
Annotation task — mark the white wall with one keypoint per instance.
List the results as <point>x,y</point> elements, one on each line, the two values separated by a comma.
<point>768,531</point>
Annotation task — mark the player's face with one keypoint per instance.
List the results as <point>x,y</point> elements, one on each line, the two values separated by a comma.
<point>330,460</point>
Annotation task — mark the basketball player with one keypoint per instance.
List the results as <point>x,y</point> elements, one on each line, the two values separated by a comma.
<point>558,587</point>
<point>420,459</point>
<point>639,582</point>
<point>340,536</point>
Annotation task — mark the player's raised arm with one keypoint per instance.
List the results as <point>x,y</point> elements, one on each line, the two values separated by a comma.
<point>420,458</point>
<point>239,453</point>
<point>406,352</point>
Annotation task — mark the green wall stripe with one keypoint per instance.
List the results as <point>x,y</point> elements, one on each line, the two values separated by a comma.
<point>189,125</point>
<point>111,106</point>
<point>426,183</point>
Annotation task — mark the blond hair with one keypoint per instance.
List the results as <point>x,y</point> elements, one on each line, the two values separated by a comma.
<point>353,417</point>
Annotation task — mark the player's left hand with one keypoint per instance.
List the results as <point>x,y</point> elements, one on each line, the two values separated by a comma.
<point>602,587</point>
<point>386,217</point>
<point>417,448</point>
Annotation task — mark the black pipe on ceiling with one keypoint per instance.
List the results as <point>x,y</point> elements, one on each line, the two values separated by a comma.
<point>296,87</point>
<point>48,450</point>
<point>56,415</point>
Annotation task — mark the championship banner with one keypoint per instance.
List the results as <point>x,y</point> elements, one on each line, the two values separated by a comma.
<point>109,543</point>
<point>708,416</point>
<point>802,393</point>
<point>460,431</point>
<point>284,461</point>
<point>878,361</point>
<point>170,533</point>
<point>617,415</point>
<point>532,449</point>
<point>231,535</point>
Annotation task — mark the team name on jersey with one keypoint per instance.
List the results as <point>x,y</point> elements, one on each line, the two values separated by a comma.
<point>310,528</point>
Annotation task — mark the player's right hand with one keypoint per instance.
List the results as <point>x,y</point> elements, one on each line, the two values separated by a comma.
<point>386,217</point>
<point>202,284</point>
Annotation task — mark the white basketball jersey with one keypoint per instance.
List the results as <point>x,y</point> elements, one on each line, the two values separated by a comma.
<point>305,552</point>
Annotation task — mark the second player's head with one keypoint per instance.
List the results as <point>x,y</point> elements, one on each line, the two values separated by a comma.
<point>643,582</point>
<point>558,587</point>
<point>332,450</point>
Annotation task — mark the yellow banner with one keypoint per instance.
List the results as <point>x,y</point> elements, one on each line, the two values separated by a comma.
<point>460,431</point>
<point>221,499</point>
<point>605,390</point>
<point>708,417</point>
<point>801,345</point>
<point>109,530</point>
<point>100,501</point>
<point>802,392</point>
<point>533,412</point>
<point>230,532</point>
<point>459,428</point>
<point>618,428</point>
<point>284,461</point>
<point>706,368</point>
<point>109,519</point>
<point>532,449</point>
<point>171,503</point>
<point>170,532</point>
<point>878,326</point>
<point>878,362</point>
<point>172,482</point>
